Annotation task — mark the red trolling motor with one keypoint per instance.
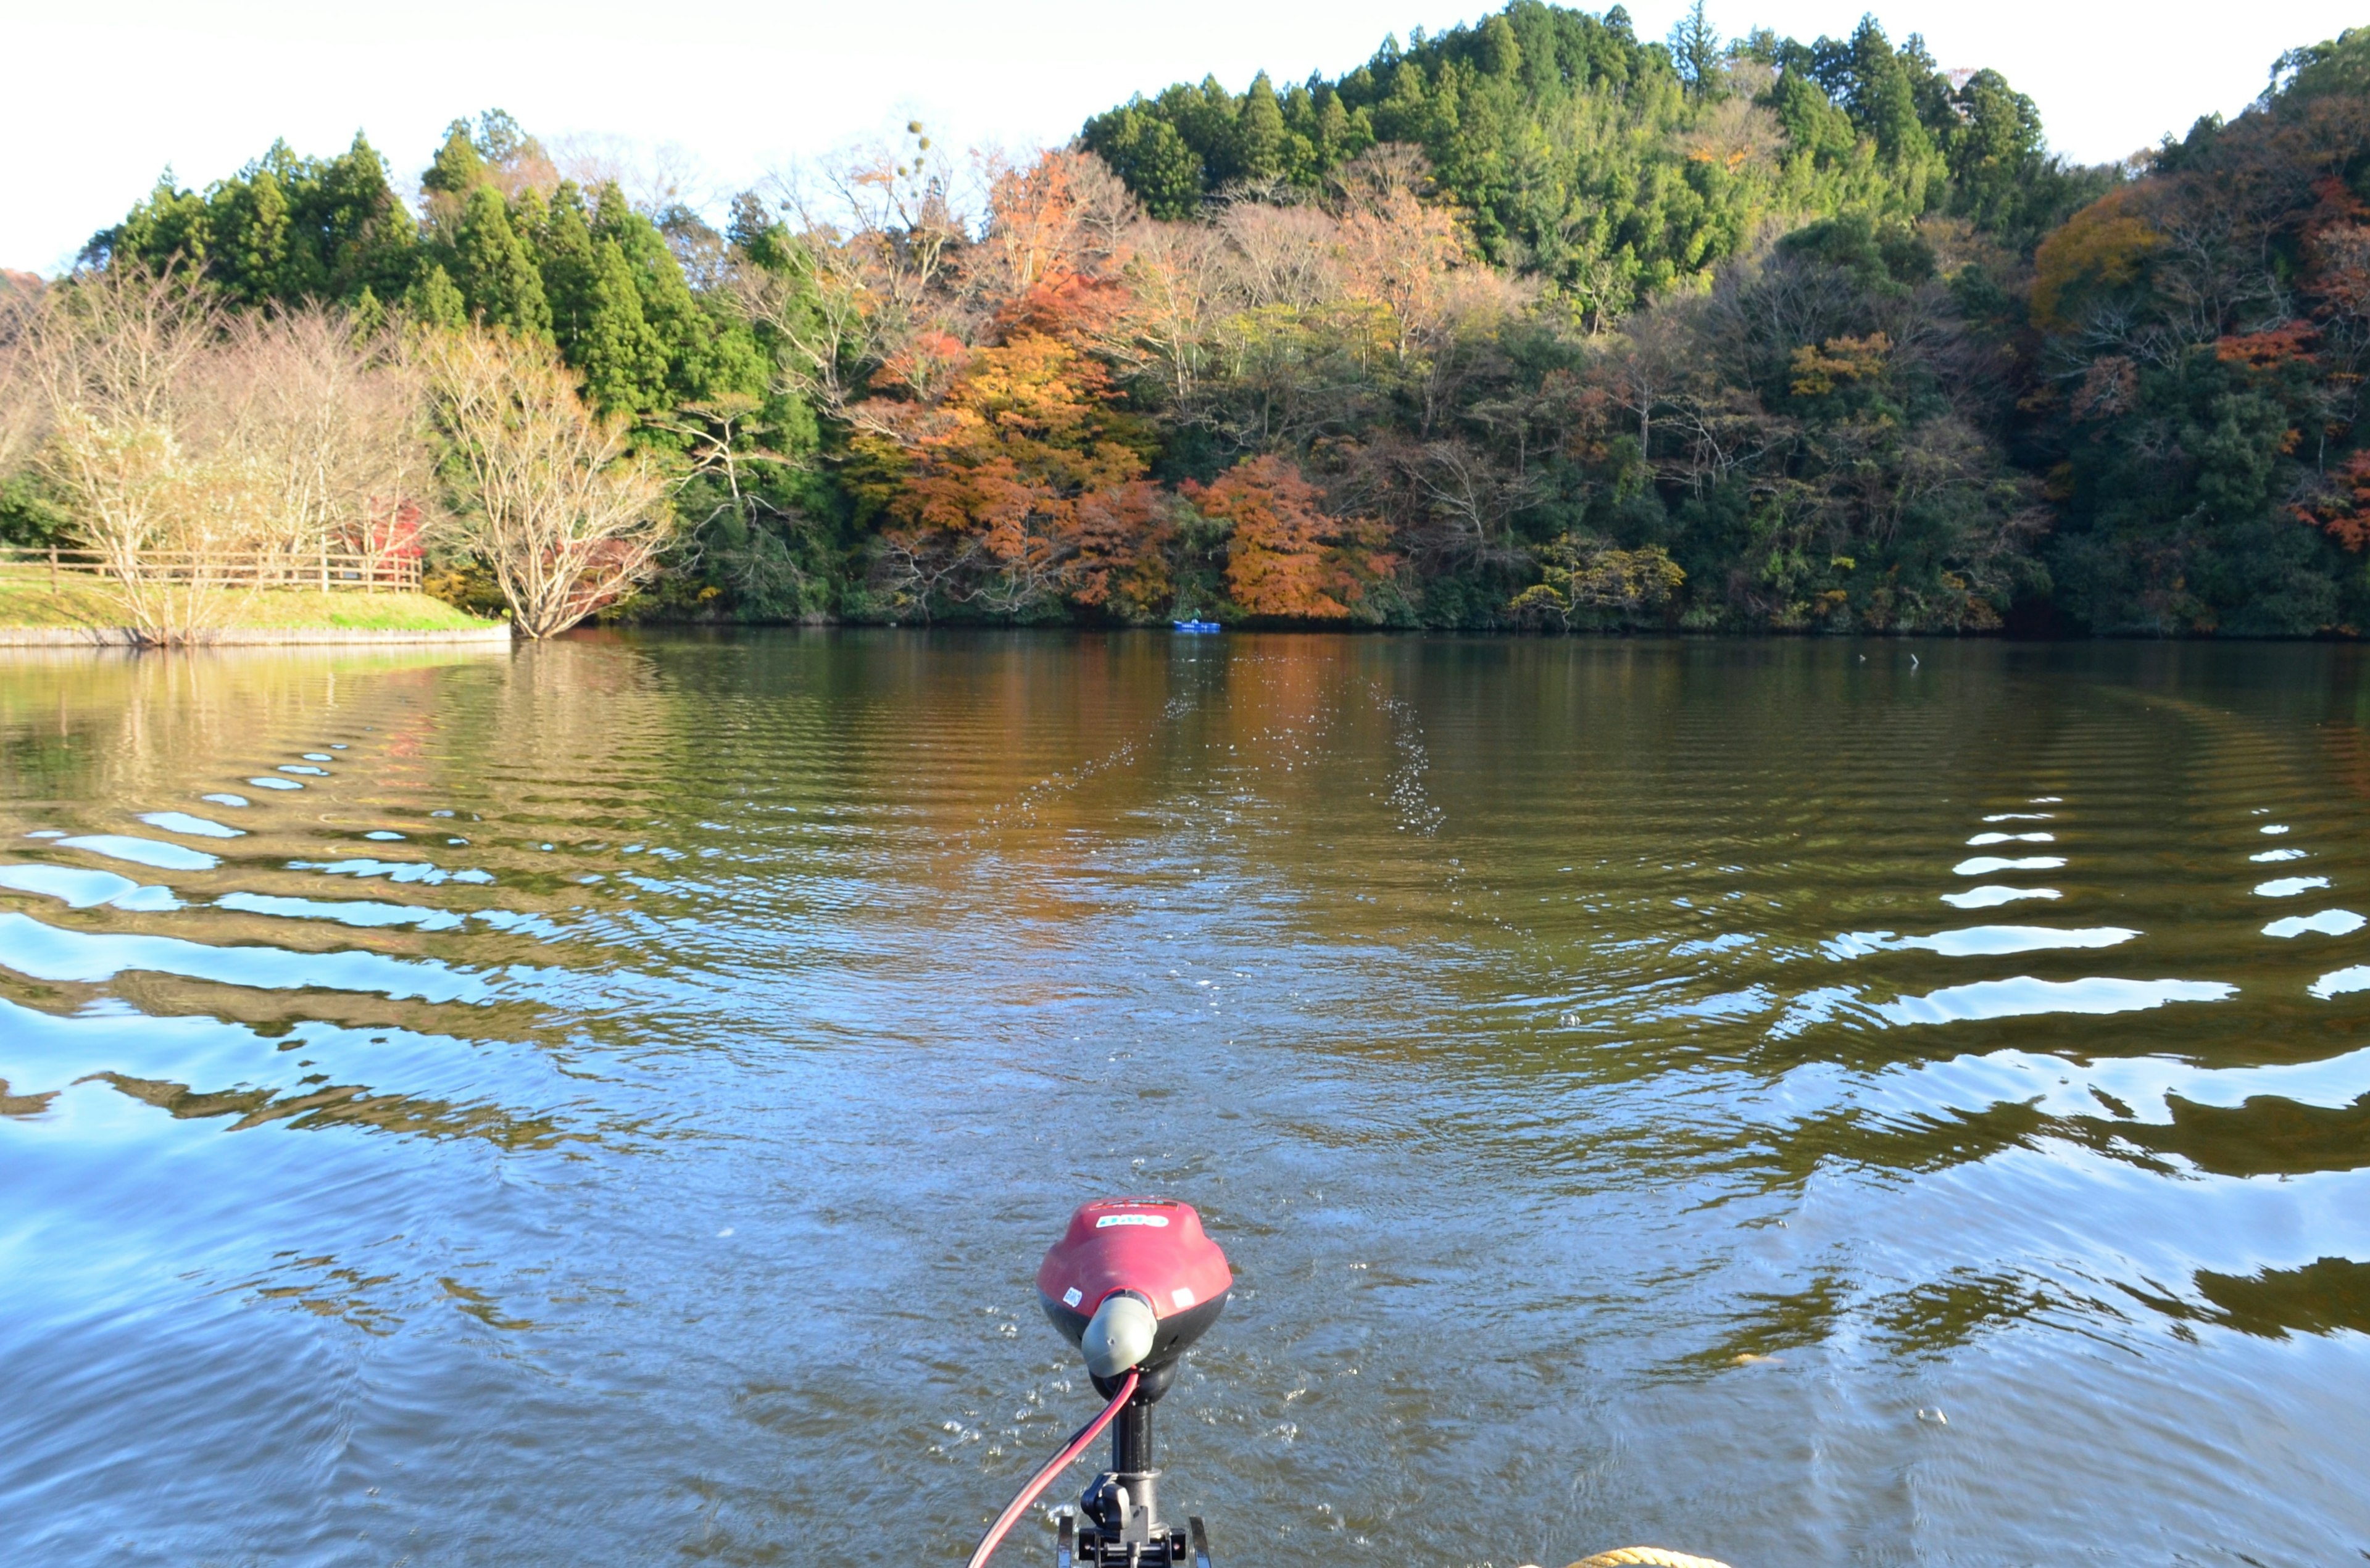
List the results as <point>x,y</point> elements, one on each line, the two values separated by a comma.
<point>1131,1283</point>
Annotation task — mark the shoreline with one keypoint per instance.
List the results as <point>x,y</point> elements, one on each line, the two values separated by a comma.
<point>255,636</point>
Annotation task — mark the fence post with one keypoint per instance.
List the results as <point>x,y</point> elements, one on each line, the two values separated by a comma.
<point>324,563</point>
<point>53,568</point>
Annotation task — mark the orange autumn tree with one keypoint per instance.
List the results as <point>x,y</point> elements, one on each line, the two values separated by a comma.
<point>1125,536</point>
<point>2105,244</point>
<point>990,478</point>
<point>1012,479</point>
<point>1062,214</point>
<point>1285,557</point>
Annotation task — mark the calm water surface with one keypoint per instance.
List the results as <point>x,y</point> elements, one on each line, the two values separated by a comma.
<point>604,1104</point>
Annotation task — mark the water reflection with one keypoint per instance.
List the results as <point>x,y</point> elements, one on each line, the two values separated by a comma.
<point>696,1039</point>
<point>2321,1297</point>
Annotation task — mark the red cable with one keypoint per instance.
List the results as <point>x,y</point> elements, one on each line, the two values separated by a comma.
<point>1045,1478</point>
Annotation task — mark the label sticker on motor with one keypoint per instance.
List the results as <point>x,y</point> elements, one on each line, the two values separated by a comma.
<point>1158,1221</point>
<point>1071,1298</point>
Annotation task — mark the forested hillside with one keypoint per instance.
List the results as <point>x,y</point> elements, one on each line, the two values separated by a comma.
<point>1531,323</point>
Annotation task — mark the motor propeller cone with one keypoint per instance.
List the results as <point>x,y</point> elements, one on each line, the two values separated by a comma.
<point>1119,1334</point>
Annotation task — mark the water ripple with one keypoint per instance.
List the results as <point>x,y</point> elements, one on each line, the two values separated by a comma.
<point>608,1052</point>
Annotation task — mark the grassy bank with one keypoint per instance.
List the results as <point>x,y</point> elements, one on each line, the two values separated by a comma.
<point>27,599</point>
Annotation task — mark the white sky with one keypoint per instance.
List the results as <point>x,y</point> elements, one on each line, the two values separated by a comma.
<point>97,101</point>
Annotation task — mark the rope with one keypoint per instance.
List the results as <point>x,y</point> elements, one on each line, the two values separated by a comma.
<point>1653,1556</point>
<point>1053,1467</point>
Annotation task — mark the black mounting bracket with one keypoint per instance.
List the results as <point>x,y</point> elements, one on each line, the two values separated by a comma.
<point>1117,1521</point>
<point>1188,1548</point>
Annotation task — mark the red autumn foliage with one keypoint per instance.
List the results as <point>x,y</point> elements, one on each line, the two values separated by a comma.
<point>1123,535</point>
<point>1286,558</point>
<point>2339,274</point>
<point>991,480</point>
<point>924,364</point>
<point>2334,206</point>
<point>2268,350</point>
<point>1066,305</point>
<point>2343,511</point>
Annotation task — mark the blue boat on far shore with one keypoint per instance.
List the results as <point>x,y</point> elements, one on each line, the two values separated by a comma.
<point>1195,626</point>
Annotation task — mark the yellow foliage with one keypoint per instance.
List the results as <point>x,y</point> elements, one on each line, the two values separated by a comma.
<point>2105,241</point>
<point>1817,369</point>
<point>1580,574</point>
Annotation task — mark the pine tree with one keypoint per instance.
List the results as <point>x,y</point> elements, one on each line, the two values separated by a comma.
<point>1884,100</point>
<point>623,363</point>
<point>498,277</point>
<point>1259,131</point>
<point>1144,149</point>
<point>170,222</point>
<point>367,240</point>
<point>1695,49</point>
<point>1502,56</point>
<point>1205,117</point>
<point>260,258</point>
<point>369,315</point>
<point>434,300</point>
<point>1332,132</point>
<point>686,332</point>
<point>457,168</point>
<point>570,277</point>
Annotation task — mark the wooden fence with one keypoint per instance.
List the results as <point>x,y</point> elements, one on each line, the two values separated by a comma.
<point>395,571</point>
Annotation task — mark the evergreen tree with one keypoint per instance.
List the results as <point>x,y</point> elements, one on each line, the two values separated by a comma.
<point>497,276</point>
<point>1501,53</point>
<point>434,300</point>
<point>1259,131</point>
<point>257,258</point>
<point>1884,102</point>
<point>2000,173</point>
<point>623,361</point>
<point>1580,153</point>
<point>1695,49</point>
<point>283,228</point>
<point>1145,150</point>
<point>564,246</point>
<point>369,315</point>
<point>457,168</point>
<point>367,240</point>
<point>169,222</point>
<point>690,367</point>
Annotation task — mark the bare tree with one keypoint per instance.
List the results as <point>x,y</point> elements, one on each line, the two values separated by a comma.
<point>172,524</point>
<point>22,418</point>
<point>196,453</point>
<point>119,344</point>
<point>816,305</point>
<point>1173,298</point>
<point>869,268</point>
<point>546,492</point>
<point>1450,502</point>
<point>651,176</point>
<point>1280,256</point>
<point>1655,357</point>
<point>339,425</point>
<point>111,365</point>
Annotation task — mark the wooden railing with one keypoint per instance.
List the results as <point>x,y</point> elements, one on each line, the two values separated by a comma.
<point>392,572</point>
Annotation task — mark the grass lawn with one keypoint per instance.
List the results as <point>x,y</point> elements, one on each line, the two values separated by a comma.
<point>26,599</point>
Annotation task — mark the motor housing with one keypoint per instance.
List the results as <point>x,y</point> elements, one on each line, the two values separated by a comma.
<point>1153,1248</point>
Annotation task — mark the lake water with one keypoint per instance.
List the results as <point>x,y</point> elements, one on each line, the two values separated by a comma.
<point>604,1104</point>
